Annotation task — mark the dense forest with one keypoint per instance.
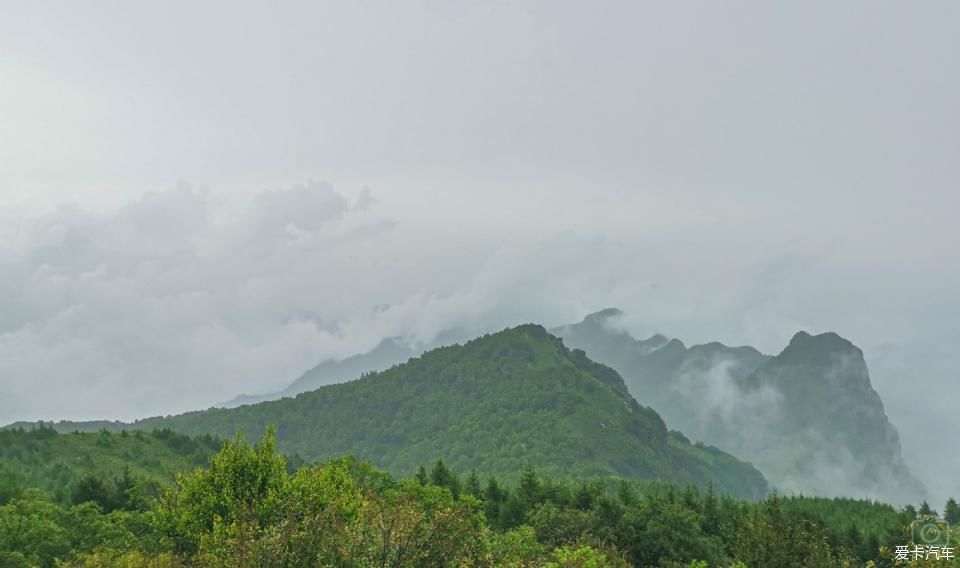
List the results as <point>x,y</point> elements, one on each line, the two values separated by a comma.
<point>249,505</point>
<point>69,466</point>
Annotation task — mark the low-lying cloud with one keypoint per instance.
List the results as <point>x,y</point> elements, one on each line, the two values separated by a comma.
<point>183,298</point>
<point>172,300</point>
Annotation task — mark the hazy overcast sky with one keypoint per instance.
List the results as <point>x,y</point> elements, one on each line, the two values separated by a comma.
<point>201,199</point>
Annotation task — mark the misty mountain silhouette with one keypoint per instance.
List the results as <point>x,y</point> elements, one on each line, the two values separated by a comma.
<point>387,353</point>
<point>808,418</point>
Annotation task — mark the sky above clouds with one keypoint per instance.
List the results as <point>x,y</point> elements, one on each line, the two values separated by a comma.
<point>198,200</point>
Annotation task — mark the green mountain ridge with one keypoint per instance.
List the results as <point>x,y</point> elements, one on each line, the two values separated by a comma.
<point>493,404</point>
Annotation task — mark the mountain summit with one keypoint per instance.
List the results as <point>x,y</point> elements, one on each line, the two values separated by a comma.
<point>808,418</point>
<point>492,404</point>
<point>841,438</point>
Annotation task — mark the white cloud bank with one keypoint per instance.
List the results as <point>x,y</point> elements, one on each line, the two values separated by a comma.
<point>172,300</point>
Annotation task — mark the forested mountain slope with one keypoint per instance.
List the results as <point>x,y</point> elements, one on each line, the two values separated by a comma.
<point>492,405</point>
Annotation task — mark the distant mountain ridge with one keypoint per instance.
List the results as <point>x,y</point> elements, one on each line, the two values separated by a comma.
<point>808,417</point>
<point>657,369</point>
<point>493,404</point>
<point>389,352</point>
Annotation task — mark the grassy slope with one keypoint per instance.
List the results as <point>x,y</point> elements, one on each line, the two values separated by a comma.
<point>54,462</point>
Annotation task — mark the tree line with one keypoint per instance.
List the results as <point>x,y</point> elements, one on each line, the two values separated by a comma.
<point>251,506</point>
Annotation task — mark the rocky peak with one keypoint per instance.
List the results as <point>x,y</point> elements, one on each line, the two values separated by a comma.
<point>820,345</point>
